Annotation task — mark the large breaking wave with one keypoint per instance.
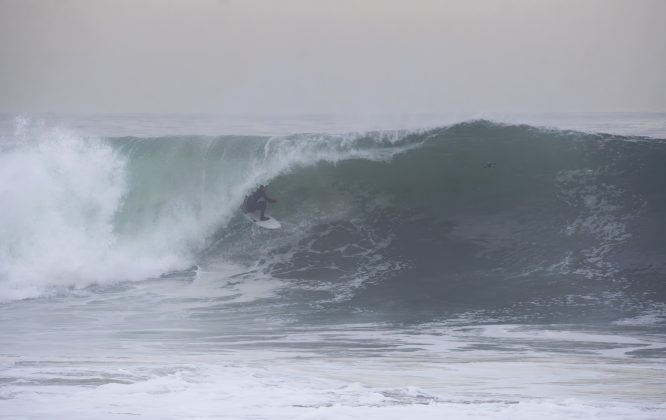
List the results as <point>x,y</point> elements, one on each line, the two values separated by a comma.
<point>474,216</point>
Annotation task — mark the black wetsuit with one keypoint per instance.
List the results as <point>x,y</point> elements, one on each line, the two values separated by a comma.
<point>257,201</point>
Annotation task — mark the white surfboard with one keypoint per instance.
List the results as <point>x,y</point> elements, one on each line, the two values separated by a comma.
<point>266,224</point>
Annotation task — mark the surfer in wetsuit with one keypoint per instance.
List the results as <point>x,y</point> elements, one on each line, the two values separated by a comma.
<point>257,201</point>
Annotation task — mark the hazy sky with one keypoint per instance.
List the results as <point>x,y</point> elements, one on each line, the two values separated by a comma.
<point>342,56</point>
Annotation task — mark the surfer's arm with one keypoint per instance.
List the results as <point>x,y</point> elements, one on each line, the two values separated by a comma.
<point>267,198</point>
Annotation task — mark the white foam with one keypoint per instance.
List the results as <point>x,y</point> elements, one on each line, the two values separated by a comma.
<point>650,319</point>
<point>57,199</point>
<point>319,389</point>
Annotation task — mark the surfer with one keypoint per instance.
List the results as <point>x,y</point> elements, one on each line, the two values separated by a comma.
<point>257,201</point>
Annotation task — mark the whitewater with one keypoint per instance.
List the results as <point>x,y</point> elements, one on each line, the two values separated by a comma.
<point>493,266</point>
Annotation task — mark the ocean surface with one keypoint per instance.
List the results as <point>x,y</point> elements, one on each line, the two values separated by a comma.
<point>429,266</point>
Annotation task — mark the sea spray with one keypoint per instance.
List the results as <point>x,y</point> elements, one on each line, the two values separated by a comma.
<point>59,194</point>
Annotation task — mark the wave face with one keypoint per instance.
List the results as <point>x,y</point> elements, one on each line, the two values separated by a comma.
<point>468,218</point>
